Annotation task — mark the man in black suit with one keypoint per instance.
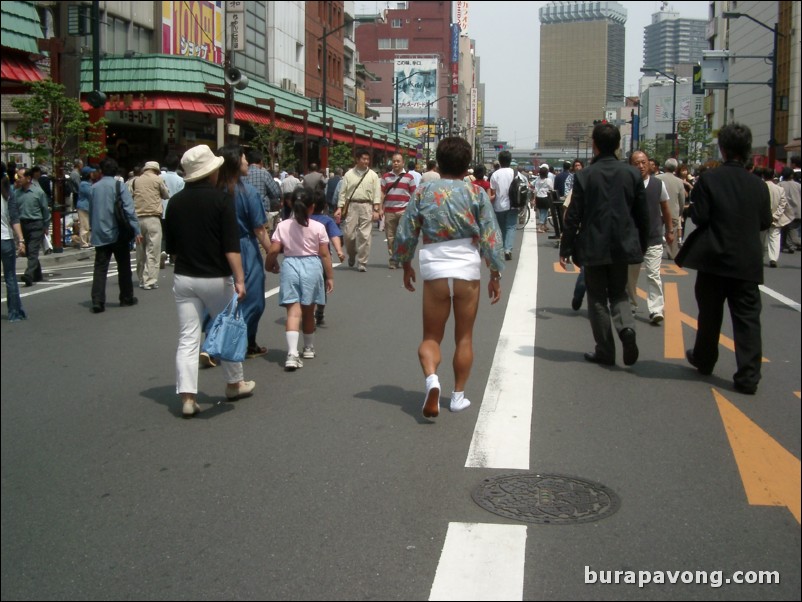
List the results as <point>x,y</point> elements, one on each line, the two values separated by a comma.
<point>729,206</point>
<point>606,230</point>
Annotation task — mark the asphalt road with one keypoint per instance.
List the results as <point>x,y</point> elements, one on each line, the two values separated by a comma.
<point>328,484</point>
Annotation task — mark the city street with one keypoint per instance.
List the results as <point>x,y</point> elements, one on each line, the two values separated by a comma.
<point>329,484</point>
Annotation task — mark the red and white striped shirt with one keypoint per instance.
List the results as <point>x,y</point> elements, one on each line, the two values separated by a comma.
<point>397,196</point>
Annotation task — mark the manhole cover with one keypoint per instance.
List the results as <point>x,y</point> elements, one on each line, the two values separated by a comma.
<point>546,499</point>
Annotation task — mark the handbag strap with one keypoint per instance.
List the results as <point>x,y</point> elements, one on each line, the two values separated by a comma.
<point>348,202</point>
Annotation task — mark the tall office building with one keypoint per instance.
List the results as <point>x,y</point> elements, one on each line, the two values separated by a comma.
<point>582,45</point>
<point>670,40</point>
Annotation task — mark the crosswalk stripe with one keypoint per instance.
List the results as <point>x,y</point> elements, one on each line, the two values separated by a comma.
<point>481,562</point>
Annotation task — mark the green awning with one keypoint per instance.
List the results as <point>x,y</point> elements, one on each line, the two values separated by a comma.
<point>19,26</point>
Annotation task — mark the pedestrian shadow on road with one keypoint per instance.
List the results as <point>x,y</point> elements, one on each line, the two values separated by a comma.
<point>408,401</point>
<point>167,397</point>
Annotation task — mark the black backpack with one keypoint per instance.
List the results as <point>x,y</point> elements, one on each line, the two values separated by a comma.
<point>518,193</point>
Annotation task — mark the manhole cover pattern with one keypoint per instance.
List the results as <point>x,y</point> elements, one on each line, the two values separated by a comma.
<point>546,499</point>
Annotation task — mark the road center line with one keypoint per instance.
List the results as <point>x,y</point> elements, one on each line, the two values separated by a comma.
<point>502,433</point>
<point>481,562</point>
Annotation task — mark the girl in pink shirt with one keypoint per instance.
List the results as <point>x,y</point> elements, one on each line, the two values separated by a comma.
<point>306,258</point>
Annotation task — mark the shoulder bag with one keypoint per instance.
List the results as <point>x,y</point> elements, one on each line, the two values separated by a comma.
<point>348,202</point>
<point>127,232</point>
<point>227,337</point>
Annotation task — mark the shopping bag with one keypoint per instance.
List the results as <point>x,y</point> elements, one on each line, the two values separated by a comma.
<point>227,337</point>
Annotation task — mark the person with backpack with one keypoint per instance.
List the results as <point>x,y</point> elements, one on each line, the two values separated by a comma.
<point>506,214</point>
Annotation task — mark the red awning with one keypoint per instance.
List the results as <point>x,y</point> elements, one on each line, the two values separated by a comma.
<point>19,69</point>
<point>174,102</point>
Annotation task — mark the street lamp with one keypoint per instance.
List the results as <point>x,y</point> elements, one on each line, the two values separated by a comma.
<point>428,118</point>
<point>772,142</point>
<point>673,104</point>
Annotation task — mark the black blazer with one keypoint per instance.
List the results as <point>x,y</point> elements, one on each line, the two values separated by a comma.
<point>607,221</point>
<point>730,206</point>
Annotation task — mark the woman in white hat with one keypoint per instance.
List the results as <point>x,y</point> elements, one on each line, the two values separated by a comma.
<point>201,230</point>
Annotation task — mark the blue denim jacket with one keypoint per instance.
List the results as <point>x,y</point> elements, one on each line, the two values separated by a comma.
<point>101,211</point>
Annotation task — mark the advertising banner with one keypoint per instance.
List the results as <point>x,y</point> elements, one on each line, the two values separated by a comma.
<point>193,28</point>
<point>417,85</point>
<point>461,16</point>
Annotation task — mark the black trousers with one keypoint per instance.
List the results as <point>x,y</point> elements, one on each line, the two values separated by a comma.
<point>33,231</point>
<point>744,302</point>
<point>122,255</point>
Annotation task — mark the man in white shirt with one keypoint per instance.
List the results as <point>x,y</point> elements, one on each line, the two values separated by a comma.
<point>507,217</point>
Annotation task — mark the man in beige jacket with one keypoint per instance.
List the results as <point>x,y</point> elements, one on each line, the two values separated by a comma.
<point>361,191</point>
<point>148,191</point>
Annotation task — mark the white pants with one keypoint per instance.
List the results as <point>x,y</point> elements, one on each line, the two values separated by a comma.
<point>194,297</point>
<point>148,252</point>
<point>771,242</point>
<point>651,263</point>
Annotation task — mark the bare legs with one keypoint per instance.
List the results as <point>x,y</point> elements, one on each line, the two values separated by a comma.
<point>437,302</point>
<point>300,315</point>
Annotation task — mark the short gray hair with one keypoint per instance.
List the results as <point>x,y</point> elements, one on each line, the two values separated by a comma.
<point>671,165</point>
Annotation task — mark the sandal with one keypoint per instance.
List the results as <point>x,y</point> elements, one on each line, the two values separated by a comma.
<point>255,351</point>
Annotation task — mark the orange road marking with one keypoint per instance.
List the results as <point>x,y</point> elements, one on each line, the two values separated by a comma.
<point>724,340</point>
<point>674,343</point>
<point>569,269</point>
<point>770,473</point>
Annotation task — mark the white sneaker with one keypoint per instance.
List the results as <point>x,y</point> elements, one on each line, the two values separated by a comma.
<point>293,362</point>
<point>162,260</point>
<point>308,353</point>
<point>459,405</point>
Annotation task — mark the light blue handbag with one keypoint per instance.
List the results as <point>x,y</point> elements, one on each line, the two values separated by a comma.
<point>227,337</point>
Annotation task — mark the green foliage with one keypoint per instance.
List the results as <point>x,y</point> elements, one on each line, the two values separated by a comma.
<point>276,144</point>
<point>342,156</point>
<point>697,141</point>
<point>49,120</point>
<point>648,146</point>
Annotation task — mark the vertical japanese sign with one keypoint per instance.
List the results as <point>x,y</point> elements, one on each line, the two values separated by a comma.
<point>235,25</point>
<point>193,28</point>
<point>454,58</point>
<point>461,16</point>
<point>474,108</point>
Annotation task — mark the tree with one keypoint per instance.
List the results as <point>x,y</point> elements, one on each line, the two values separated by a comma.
<point>277,145</point>
<point>341,155</point>
<point>49,120</point>
<point>697,140</point>
<point>648,146</point>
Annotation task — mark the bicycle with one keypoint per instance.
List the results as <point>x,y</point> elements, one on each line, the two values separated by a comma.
<point>524,213</point>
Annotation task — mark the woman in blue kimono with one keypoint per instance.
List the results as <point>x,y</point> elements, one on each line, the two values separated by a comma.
<point>251,218</point>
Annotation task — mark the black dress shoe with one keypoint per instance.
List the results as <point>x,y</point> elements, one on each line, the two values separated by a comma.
<point>98,308</point>
<point>27,280</point>
<point>595,359</point>
<point>129,302</point>
<point>627,336</point>
<point>745,389</point>
<point>576,303</point>
<point>692,361</point>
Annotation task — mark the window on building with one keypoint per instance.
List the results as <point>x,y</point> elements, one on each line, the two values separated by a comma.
<point>397,43</point>
<point>142,39</point>
<point>396,23</point>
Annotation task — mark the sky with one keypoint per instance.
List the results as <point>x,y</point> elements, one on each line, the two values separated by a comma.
<point>507,38</point>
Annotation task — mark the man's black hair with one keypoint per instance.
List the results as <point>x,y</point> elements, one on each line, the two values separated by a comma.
<point>735,141</point>
<point>505,158</point>
<point>607,138</point>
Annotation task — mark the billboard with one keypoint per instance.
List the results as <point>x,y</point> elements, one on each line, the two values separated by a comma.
<point>193,28</point>
<point>461,16</point>
<point>417,85</point>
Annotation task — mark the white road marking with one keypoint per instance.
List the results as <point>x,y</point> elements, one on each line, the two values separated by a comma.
<point>481,562</point>
<point>781,298</point>
<point>502,433</point>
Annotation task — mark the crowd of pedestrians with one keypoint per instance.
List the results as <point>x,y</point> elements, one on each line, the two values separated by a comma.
<point>211,215</point>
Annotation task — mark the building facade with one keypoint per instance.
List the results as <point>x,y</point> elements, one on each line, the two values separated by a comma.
<point>671,40</point>
<point>594,58</point>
